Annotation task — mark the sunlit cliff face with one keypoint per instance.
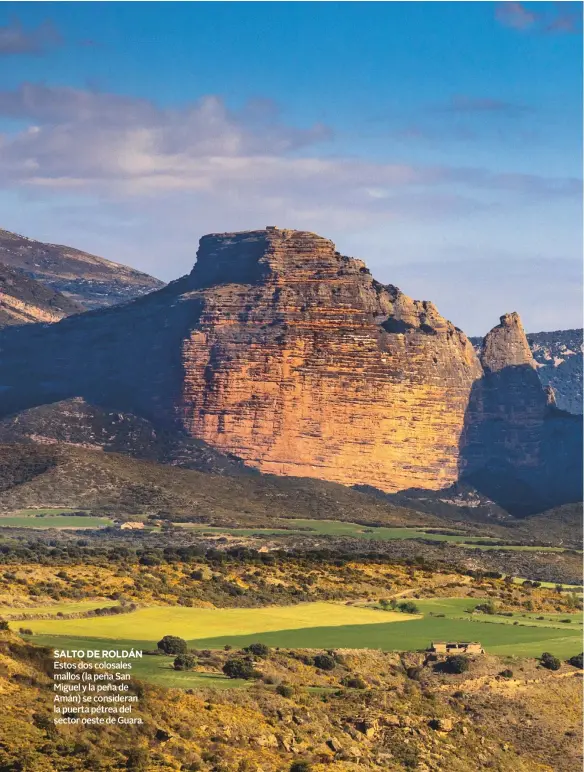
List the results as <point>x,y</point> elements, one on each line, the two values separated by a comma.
<point>302,364</point>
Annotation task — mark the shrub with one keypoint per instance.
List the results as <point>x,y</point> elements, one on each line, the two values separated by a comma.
<point>354,682</point>
<point>184,662</point>
<point>486,608</point>
<point>285,690</point>
<point>138,760</point>
<point>258,649</point>
<point>408,607</point>
<point>4,625</point>
<point>550,662</point>
<point>171,644</point>
<point>300,766</point>
<point>507,673</point>
<point>324,662</point>
<point>458,663</point>
<point>576,661</point>
<point>239,668</point>
<point>414,673</point>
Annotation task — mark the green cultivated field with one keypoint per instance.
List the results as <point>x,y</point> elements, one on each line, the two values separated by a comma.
<point>49,520</point>
<point>71,607</point>
<point>295,527</point>
<point>47,511</point>
<point>195,623</point>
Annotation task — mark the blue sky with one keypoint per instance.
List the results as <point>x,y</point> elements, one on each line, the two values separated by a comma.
<point>440,142</point>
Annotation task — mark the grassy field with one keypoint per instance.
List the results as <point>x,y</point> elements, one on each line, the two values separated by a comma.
<point>457,608</point>
<point>295,527</point>
<point>551,585</point>
<point>49,520</point>
<point>195,623</point>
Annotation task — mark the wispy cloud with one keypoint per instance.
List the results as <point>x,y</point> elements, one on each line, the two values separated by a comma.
<point>518,16</point>
<point>16,39</point>
<point>461,103</point>
<point>202,167</point>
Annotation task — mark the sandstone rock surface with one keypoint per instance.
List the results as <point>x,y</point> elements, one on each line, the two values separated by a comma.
<point>302,364</point>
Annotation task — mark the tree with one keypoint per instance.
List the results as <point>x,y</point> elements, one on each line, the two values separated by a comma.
<point>171,644</point>
<point>458,663</point>
<point>576,660</point>
<point>184,662</point>
<point>239,668</point>
<point>324,662</point>
<point>258,649</point>
<point>550,662</point>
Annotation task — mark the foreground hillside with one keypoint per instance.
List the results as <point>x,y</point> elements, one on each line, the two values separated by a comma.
<point>88,280</point>
<point>33,475</point>
<point>302,705</point>
<point>77,423</point>
<point>427,721</point>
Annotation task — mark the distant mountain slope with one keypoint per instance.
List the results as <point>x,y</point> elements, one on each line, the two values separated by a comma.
<point>89,280</point>
<point>23,300</point>
<point>558,356</point>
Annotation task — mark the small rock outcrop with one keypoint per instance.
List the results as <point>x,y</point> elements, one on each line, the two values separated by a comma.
<point>506,346</point>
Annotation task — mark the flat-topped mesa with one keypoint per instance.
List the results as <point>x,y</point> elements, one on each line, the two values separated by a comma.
<point>506,346</point>
<point>303,276</point>
<point>264,255</point>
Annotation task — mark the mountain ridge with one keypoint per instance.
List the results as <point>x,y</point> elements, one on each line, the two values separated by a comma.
<point>280,351</point>
<point>89,280</point>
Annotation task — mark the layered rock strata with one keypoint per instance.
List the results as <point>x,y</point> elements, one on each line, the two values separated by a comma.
<point>302,364</point>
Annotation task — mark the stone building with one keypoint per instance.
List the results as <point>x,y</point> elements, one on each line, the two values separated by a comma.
<point>456,647</point>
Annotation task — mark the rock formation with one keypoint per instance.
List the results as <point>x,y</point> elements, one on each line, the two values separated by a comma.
<point>517,446</point>
<point>302,364</point>
<point>289,355</point>
<point>559,362</point>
